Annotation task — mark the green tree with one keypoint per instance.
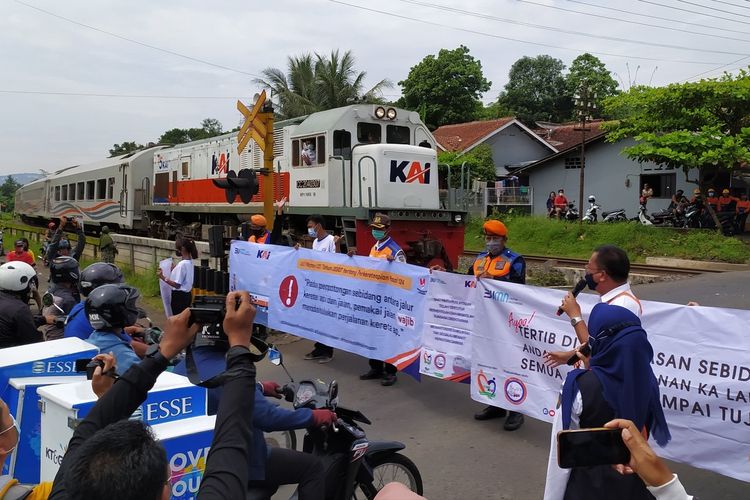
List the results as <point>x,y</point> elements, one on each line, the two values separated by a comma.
<point>445,89</point>
<point>492,111</point>
<point>124,148</point>
<point>8,193</point>
<point>479,162</point>
<point>537,91</point>
<point>700,127</point>
<point>212,127</point>
<point>174,136</point>
<point>318,83</point>
<point>588,69</point>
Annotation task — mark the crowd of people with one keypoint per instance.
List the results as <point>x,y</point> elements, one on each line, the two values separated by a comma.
<point>614,385</point>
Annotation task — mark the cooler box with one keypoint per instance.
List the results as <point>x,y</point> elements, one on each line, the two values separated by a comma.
<point>187,443</point>
<point>23,401</point>
<point>43,359</point>
<point>173,398</point>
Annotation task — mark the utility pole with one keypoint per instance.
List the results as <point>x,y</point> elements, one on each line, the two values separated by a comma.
<point>585,105</point>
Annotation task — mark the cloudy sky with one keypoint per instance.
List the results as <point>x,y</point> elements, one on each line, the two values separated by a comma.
<point>218,47</point>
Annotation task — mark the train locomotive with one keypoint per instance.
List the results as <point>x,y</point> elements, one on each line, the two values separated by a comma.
<point>345,164</point>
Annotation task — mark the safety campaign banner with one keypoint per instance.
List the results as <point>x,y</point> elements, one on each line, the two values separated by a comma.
<point>448,323</point>
<point>701,362</point>
<point>370,307</point>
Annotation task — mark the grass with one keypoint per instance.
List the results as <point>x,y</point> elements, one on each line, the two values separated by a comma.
<point>542,236</point>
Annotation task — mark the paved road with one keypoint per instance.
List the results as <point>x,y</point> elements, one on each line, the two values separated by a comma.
<point>461,458</point>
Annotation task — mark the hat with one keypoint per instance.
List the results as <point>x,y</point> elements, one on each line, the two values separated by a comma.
<point>105,229</point>
<point>726,191</point>
<point>495,227</point>
<point>258,220</point>
<point>380,221</point>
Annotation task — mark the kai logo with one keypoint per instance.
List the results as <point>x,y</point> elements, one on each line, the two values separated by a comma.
<point>263,254</point>
<point>470,284</point>
<point>415,172</point>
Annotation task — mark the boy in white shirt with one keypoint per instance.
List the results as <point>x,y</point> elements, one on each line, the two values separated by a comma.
<point>322,242</point>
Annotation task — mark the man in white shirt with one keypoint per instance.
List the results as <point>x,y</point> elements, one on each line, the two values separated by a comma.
<point>607,274</point>
<point>322,242</point>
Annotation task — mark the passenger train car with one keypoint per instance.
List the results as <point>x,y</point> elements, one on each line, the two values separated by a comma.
<point>345,164</point>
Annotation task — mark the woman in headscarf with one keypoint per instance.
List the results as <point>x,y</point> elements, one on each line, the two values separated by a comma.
<point>618,384</point>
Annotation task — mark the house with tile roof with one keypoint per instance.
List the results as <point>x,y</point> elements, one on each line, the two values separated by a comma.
<point>513,144</point>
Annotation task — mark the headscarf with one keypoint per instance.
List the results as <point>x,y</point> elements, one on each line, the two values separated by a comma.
<point>621,359</point>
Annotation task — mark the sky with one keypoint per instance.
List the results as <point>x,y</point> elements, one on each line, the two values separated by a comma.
<point>196,58</point>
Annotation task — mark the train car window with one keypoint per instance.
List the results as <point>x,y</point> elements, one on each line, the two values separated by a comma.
<point>185,168</point>
<point>89,190</point>
<point>342,143</point>
<point>368,133</point>
<point>395,134</point>
<point>295,153</point>
<point>81,191</point>
<point>57,193</point>
<point>65,192</point>
<point>101,189</point>
<point>71,192</point>
<point>111,188</point>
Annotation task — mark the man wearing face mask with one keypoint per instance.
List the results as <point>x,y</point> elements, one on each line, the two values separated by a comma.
<point>499,263</point>
<point>607,274</point>
<point>384,248</point>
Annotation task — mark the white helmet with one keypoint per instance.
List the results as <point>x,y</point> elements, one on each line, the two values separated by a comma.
<point>16,276</point>
<point>592,199</point>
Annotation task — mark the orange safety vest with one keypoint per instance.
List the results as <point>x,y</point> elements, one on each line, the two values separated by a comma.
<point>497,267</point>
<point>262,239</point>
<point>389,249</point>
<point>640,307</point>
<point>743,206</point>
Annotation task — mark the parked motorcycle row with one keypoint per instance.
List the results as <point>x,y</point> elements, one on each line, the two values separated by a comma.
<point>685,215</point>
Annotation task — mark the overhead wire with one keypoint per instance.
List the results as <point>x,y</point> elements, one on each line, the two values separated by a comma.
<point>687,2</point>
<point>479,15</point>
<point>512,39</point>
<point>732,4</point>
<point>651,2</point>
<point>127,96</point>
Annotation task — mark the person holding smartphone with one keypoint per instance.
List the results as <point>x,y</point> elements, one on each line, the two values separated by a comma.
<point>619,384</point>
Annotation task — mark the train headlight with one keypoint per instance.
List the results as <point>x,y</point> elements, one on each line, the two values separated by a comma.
<point>379,112</point>
<point>458,218</point>
<point>391,114</point>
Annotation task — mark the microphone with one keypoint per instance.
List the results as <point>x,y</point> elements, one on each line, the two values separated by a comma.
<point>576,290</point>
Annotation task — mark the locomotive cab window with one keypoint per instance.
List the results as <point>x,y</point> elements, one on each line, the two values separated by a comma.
<point>101,189</point>
<point>395,134</point>
<point>309,151</point>
<point>57,193</point>
<point>342,143</point>
<point>185,168</point>
<point>89,190</point>
<point>368,133</point>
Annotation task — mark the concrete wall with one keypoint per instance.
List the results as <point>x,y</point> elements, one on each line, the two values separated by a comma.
<point>513,146</point>
<point>144,254</point>
<point>605,175</point>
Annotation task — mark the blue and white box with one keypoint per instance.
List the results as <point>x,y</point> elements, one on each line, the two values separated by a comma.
<point>172,399</point>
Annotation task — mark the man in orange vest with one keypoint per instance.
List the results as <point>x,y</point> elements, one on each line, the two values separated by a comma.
<point>499,263</point>
<point>712,199</point>
<point>384,248</point>
<point>727,201</point>
<point>742,209</point>
<point>258,223</point>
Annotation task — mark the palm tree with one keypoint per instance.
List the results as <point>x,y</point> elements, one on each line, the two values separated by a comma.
<point>326,83</point>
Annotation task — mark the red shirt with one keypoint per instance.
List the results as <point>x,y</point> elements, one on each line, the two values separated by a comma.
<point>23,257</point>
<point>561,201</point>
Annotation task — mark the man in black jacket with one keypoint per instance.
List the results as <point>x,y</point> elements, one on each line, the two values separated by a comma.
<point>61,246</point>
<point>117,459</point>
<point>17,325</point>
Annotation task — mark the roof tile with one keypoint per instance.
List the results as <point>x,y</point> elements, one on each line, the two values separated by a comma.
<point>461,136</point>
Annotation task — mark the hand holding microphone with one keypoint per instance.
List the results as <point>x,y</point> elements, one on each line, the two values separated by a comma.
<point>576,290</point>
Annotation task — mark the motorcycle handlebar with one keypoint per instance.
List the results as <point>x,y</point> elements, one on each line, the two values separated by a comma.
<point>288,391</point>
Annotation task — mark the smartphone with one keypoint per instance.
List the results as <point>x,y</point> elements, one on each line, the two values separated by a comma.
<point>81,364</point>
<point>585,350</point>
<point>88,365</point>
<point>587,447</point>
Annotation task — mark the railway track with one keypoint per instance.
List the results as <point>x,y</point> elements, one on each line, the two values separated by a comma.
<point>635,268</point>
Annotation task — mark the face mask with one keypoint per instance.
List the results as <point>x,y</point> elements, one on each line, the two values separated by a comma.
<point>257,232</point>
<point>178,253</point>
<point>312,232</point>
<point>378,234</point>
<point>711,193</point>
<point>590,281</point>
<point>494,247</point>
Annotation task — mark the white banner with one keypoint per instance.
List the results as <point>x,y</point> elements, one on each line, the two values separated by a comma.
<point>448,323</point>
<point>701,361</point>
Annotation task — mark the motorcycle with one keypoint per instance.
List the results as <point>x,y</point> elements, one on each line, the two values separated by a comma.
<point>355,467</point>
<point>615,216</point>
<point>643,217</point>
<point>571,213</point>
<point>591,215</point>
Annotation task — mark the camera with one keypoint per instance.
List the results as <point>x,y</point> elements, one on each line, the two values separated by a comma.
<point>208,311</point>
<point>89,366</point>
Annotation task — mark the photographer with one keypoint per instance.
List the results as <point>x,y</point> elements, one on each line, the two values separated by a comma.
<point>61,246</point>
<point>112,457</point>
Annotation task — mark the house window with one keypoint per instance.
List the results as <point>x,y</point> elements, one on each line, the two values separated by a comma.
<point>342,143</point>
<point>90,190</point>
<point>81,193</point>
<point>368,133</point>
<point>65,192</point>
<point>395,134</point>
<point>57,193</point>
<point>573,162</point>
<point>662,184</point>
<point>111,188</point>
<point>101,189</point>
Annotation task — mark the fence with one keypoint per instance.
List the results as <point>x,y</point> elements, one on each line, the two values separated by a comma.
<point>482,201</point>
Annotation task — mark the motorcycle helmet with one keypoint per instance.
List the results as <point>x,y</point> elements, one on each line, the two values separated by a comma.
<point>725,192</point>
<point>98,274</point>
<point>16,276</point>
<point>63,244</point>
<point>592,199</point>
<point>112,306</point>
<point>64,269</point>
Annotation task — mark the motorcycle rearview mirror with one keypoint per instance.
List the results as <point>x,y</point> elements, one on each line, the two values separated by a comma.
<point>48,300</point>
<point>333,394</point>
<point>275,357</point>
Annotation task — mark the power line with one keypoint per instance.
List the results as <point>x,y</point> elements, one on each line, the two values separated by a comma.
<point>560,30</point>
<point>126,96</point>
<point>493,35</point>
<point>712,8</point>
<point>650,16</point>
<point>732,4</point>
<point>143,44</point>
<point>717,68</point>
<point>692,11</point>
